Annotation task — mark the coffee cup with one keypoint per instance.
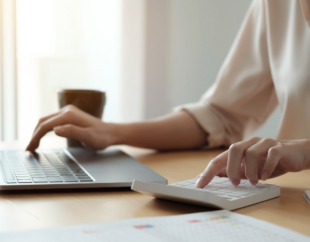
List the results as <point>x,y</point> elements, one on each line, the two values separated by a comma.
<point>89,101</point>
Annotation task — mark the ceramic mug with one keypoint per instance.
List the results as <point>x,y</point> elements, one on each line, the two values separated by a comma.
<point>90,101</point>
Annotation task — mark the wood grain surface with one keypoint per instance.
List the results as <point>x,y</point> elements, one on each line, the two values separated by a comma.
<point>46,209</point>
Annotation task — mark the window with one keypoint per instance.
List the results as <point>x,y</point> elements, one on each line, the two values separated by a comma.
<point>117,46</point>
<point>59,44</point>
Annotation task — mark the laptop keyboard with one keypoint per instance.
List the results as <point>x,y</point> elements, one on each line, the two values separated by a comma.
<point>44,167</point>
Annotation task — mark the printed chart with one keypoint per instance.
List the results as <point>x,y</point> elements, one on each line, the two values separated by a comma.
<point>220,226</point>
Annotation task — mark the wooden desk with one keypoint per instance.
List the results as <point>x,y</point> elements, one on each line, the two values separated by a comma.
<point>35,210</point>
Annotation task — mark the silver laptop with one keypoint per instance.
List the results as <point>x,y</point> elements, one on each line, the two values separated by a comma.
<point>71,168</point>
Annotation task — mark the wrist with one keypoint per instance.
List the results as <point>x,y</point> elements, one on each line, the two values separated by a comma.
<point>117,133</point>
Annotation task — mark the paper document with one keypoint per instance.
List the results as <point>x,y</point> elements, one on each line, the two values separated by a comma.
<point>220,226</point>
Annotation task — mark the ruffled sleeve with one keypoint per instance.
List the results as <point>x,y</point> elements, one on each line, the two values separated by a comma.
<point>243,95</point>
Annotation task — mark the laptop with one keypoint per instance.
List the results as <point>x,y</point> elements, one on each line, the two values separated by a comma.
<point>71,168</point>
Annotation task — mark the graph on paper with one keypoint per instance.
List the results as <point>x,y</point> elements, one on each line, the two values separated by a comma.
<point>220,226</point>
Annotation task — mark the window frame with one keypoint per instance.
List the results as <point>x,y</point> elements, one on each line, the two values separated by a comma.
<point>8,71</point>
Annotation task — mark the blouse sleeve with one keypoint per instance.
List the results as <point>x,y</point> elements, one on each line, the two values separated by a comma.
<point>243,95</point>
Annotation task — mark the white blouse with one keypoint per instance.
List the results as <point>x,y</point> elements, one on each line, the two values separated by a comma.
<point>268,64</point>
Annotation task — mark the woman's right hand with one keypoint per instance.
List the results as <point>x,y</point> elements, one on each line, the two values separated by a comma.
<point>258,158</point>
<point>71,122</point>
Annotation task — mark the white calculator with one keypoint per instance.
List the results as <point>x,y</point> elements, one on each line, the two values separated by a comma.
<point>219,193</point>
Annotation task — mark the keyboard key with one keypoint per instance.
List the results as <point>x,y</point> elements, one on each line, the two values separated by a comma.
<point>50,171</point>
<point>20,170</point>
<point>23,177</point>
<point>77,170</point>
<point>24,181</point>
<point>33,168</point>
<point>83,177</point>
<point>86,180</point>
<point>63,170</point>
<point>67,173</point>
<point>38,176</point>
<point>52,175</point>
<point>39,180</point>
<point>80,174</point>
<point>35,173</point>
<point>69,179</point>
<point>60,167</point>
<point>54,179</point>
<point>21,173</point>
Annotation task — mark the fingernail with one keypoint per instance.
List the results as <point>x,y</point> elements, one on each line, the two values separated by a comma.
<point>235,182</point>
<point>265,175</point>
<point>200,182</point>
<point>59,130</point>
<point>253,183</point>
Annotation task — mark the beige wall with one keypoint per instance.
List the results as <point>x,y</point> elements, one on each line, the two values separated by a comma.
<point>202,32</point>
<point>172,51</point>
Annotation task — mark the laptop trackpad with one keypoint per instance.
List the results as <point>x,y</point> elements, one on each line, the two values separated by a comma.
<point>113,166</point>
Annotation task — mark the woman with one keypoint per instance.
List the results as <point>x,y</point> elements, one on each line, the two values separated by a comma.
<point>267,65</point>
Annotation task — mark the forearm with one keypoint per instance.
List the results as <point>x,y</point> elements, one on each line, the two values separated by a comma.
<point>175,131</point>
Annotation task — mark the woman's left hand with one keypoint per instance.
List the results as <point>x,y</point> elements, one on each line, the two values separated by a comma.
<point>258,158</point>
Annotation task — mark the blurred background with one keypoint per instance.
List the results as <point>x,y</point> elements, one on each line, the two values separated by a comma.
<point>148,55</point>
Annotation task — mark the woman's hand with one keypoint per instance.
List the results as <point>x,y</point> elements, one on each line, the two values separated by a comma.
<point>258,158</point>
<point>71,122</point>
<point>178,130</point>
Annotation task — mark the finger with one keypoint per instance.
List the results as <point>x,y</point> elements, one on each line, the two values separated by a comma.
<point>214,167</point>
<point>67,110</point>
<point>41,120</point>
<point>223,172</point>
<point>273,157</point>
<point>235,156</point>
<point>252,157</point>
<point>48,125</point>
<point>40,131</point>
<point>73,132</point>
